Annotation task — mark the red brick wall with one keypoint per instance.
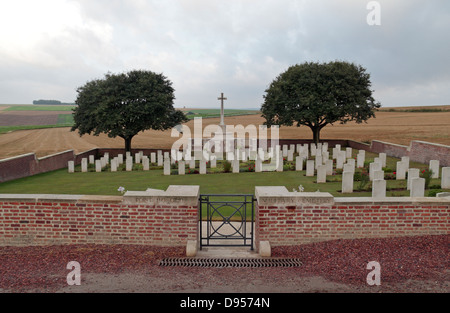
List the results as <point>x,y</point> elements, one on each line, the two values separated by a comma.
<point>418,151</point>
<point>28,165</point>
<point>29,222</point>
<point>390,149</point>
<point>18,167</point>
<point>423,152</point>
<point>290,225</point>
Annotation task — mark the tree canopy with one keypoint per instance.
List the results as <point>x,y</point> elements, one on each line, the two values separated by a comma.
<point>319,94</point>
<point>122,105</point>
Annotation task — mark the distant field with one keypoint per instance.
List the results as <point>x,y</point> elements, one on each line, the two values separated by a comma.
<point>423,109</point>
<point>12,107</point>
<point>210,113</point>
<point>26,117</point>
<point>395,127</point>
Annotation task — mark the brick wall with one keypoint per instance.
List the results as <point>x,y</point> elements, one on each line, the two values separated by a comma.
<point>28,165</point>
<point>48,220</point>
<point>423,152</point>
<point>294,219</point>
<point>418,151</point>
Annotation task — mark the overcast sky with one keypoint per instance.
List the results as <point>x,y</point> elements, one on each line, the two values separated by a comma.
<point>48,48</point>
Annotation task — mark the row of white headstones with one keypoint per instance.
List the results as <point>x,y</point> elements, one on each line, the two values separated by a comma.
<point>321,165</point>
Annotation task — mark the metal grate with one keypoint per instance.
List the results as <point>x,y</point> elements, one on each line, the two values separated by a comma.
<point>231,262</point>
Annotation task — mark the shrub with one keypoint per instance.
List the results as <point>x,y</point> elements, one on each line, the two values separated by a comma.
<point>433,192</point>
<point>427,174</point>
<point>226,166</point>
<point>364,180</point>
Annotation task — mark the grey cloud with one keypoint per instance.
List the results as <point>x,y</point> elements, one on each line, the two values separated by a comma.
<point>239,47</point>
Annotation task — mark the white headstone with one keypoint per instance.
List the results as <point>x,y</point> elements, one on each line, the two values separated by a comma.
<point>153,157</point>
<point>401,170</point>
<point>417,187</point>
<point>91,159</point>
<point>434,166</point>
<point>235,165</point>
<point>98,166</point>
<point>280,163</point>
<point>340,159</point>
<point>114,165</point>
<point>382,157</point>
<point>192,163</point>
<point>129,164</point>
<point>120,159</point>
<point>360,158</point>
<point>202,167</point>
<point>378,188</point>
<point>313,149</point>
<point>84,165</point>
<point>325,157</point>
<point>167,165</point>
<point>372,168</point>
<point>362,152</point>
<point>329,165</point>
<point>181,167</point>
<point>258,165</point>
<point>348,167</point>
<point>348,152</point>
<point>213,162</point>
<point>378,175</point>
<point>71,166</point>
<point>160,158</point>
<point>290,156</point>
<point>299,163</point>
<point>405,159</point>
<point>412,173</point>
<point>347,182</point>
<point>310,168</point>
<point>445,178</point>
<point>352,162</point>
<point>145,163</point>
<point>285,150</point>
<point>322,174</point>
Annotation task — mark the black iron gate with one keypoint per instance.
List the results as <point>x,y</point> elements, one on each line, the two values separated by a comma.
<point>226,220</point>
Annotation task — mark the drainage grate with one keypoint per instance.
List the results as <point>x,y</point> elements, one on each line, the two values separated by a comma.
<point>231,262</point>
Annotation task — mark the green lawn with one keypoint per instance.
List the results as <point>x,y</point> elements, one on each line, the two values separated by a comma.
<point>215,182</point>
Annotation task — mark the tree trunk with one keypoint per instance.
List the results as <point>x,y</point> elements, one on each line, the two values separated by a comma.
<point>316,134</point>
<point>128,144</point>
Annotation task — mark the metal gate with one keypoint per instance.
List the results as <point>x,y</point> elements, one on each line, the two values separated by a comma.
<point>226,220</point>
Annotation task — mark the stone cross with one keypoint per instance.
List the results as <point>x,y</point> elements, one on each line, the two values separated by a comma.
<point>222,120</point>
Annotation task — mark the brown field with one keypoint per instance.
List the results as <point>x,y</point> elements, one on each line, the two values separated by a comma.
<point>18,118</point>
<point>395,127</point>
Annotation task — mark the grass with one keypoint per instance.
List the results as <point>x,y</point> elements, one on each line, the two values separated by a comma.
<point>215,182</point>
<point>39,108</point>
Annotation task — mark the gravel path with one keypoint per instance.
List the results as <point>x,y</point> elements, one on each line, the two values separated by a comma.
<point>408,264</point>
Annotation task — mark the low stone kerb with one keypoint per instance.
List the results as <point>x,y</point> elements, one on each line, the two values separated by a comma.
<point>281,196</point>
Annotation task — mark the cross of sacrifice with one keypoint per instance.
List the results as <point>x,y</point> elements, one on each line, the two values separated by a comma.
<point>222,98</point>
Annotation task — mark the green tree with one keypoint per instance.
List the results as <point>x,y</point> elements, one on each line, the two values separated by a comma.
<point>125,104</point>
<point>319,94</point>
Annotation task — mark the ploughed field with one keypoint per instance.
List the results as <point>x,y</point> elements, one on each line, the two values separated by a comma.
<point>392,126</point>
